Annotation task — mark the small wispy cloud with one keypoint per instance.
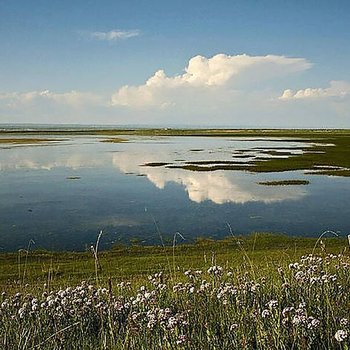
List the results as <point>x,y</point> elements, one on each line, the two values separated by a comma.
<point>72,98</point>
<point>114,35</point>
<point>338,89</point>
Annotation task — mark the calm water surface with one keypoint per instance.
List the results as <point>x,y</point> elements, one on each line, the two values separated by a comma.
<point>62,194</point>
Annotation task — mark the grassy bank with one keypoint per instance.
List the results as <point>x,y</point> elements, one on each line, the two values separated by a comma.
<point>27,141</point>
<point>256,292</point>
<point>29,269</point>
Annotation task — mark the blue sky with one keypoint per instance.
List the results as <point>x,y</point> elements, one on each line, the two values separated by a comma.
<point>89,62</point>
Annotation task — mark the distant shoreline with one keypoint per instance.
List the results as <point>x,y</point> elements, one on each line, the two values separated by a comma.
<point>155,128</point>
<point>167,131</point>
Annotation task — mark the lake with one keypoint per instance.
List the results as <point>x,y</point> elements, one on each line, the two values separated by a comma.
<point>61,194</point>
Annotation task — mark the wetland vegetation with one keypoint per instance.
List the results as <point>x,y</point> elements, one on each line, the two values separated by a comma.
<point>284,182</point>
<point>26,140</point>
<point>327,154</point>
<point>262,291</point>
<point>115,140</point>
<point>35,267</point>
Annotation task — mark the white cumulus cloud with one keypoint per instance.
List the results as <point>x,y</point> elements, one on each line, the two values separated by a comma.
<point>204,74</point>
<point>336,89</point>
<point>114,35</point>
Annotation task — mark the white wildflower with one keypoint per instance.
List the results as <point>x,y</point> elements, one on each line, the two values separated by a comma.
<point>344,322</point>
<point>299,275</point>
<point>287,310</point>
<point>181,339</point>
<point>272,304</point>
<point>313,323</point>
<point>266,313</point>
<point>341,335</point>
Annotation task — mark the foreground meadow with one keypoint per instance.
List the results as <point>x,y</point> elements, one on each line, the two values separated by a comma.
<point>251,293</point>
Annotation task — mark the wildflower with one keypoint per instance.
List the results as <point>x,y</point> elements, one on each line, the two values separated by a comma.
<point>294,266</point>
<point>299,275</point>
<point>285,321</point>
<point>135,316</point>
<point>272,304</point>
<point>204,285</point>
<point>341,335</point>
<point>287,310</point>
<point>313,323</point>
<point>266,313</point>
<point>181,339</point>
<point>215,270</point>
<point>21,312</point>
<point>152,321</point>
<point>172,322</point>
<point>344,322</point>
<point>302,306</point>
<point>299,320</point>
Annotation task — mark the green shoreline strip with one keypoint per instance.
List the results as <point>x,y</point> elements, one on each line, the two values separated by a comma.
<point>26,140</point>
<point>284,183</point>
<point>137,262</point>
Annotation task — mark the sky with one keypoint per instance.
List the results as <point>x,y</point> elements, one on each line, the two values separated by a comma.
<point>225,63</point>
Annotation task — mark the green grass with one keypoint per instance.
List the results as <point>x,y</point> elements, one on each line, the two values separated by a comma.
<point>284,183</point>
<point>115,140</point>
<point>254,292</point>
<point>329,151</point>
<point>155,164</point>
<point>137,262</point>
<point>24,141</point>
